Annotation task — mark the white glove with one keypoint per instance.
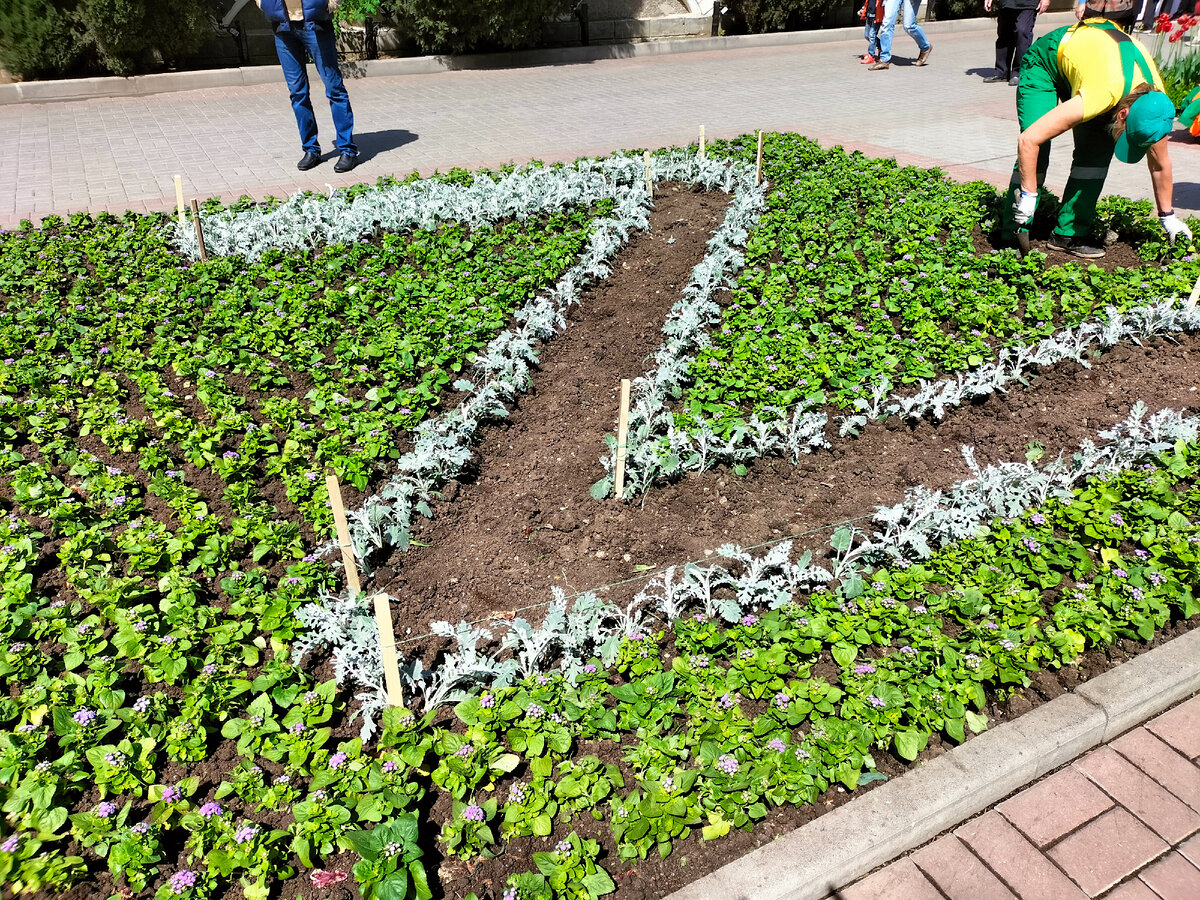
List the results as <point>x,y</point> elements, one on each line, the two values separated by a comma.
<point>1174,227</point>
<point>1024,206</point>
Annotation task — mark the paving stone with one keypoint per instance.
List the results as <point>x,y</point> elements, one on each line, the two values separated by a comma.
<point>1132,890</point>
<point>900,881</point>
<point>1173,878</point>
<point>1180,727</point>
<point>958,872</point>
<point>1052,807</point>
<point>1162,763</point>
<point>1106,850</point>
<point>1018,863</point>
<point>1170,817</point>
<point>1191,849</point>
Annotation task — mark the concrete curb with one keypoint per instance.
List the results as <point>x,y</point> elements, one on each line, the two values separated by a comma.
<point>845,844</point>
<point>169,82</point>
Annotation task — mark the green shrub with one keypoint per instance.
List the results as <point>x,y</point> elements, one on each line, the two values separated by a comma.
<point>462,26</point>
<point>39,40</point>
<point>759,16</point>
<point>58,38</point>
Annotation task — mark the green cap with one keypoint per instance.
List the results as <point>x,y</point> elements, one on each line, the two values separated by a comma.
<point>1151,118</point>
<point>1191,108</point>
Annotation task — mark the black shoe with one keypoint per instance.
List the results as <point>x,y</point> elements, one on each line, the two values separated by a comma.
<point>308,161</point>
<point>995,79</point>
<point>1075,247</point>
<point>345,163</point>
<point>1014,80</point>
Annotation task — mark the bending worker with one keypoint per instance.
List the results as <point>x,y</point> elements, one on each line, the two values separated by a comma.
<point>1095,79</point>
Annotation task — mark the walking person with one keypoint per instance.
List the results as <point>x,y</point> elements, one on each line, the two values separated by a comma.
<point>304,28</point>
<point>1014,35</point>
<point>1095,79</point>
<point>892,10</point>
<point>872,16</point>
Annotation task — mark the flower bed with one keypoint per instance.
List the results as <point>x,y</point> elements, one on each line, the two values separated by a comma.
<point>163,427</point>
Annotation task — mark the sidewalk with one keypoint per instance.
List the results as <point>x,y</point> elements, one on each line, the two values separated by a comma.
<point>120,153</point>
<point>1120,823</point>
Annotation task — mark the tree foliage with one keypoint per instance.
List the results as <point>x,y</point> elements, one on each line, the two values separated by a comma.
<point>57,38</point>
<point>760,16</point>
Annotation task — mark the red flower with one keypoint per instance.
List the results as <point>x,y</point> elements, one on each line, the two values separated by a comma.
<point>1161,25</point>
<point>1175,36</point>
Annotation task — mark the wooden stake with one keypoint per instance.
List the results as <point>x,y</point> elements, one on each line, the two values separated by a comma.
<point>758,165</point>
<point>199,230</point>
<point>622,438</point>
<point>343,531</point>
<point>387,649</point>
<point>1191,301</point>
<point>179,199</point>
<point>649,159</point>
<point>702,147</point>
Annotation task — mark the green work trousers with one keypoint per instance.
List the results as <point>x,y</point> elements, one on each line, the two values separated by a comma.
<point>1041,89</point>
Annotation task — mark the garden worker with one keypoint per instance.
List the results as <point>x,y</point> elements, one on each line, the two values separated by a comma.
<point>1014,34</point>
<point>304,28</point>
<point>1095,79</point>
<point>891,10</point>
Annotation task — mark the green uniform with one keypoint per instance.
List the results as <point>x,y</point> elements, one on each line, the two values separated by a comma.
<point>1101,63</point>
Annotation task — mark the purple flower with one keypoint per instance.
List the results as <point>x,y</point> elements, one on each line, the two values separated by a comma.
<point>1116,519</point>
<point>84,717</point>
<point>749,620</point>
<point>516,794</point>
<point>210,809</point>
<point>473,813</point>
<point>246,833</point>
<point>140,828</point>
<point>337,760</point>
<point>487,701</point>
<point>210,669</point>
<point>105,809</point>
<point>391,766</point>
<point>510,894</point>
<point>777,745</point>
<point>725,702</point>
<point>727,764</point>
<point>10,845</point>
<point>589,669</point>
<point>563,846</point>
<point>171,794</point>
<point>534,711</point>
<point>782,700</point>
<point>464,751</point>
<point>296,728</point>
<point>182,881</point>
<point>1037,519</point>
<point>864,669</point>
<point>231,454</point>
<point>1120,573</point>
<point>876,702</point>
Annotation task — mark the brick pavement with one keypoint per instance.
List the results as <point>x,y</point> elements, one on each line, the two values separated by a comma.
<point>1122,822</point>
<point>119,153</point>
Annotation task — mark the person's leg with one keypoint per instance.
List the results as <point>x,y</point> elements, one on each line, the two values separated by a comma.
<point>887,28</point>
<point>1023,23</point>
<point>323,47</point>
<point>1037,94</point>
<point>1005,42</point>
<point>1089,166</point>
<point>290,49</point>
<point>911,27</point>
<point>872,32</point>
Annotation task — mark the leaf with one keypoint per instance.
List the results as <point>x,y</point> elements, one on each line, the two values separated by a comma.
<point>910,743</point>
<point>977,723</point>
<point>598,883</point>
<point>542,825</point>
<point>602,488</point>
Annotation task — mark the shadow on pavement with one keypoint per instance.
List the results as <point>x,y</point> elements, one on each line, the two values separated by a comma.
<point>1187,194</point>
<point>372,143</point>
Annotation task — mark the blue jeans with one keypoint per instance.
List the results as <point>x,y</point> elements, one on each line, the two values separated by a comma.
<point>294,43</point>
<point>871,32</point>
<point>891,9</point>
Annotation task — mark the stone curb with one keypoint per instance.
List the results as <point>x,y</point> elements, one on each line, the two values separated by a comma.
<point>845,844</point>
<point>169,82</point>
